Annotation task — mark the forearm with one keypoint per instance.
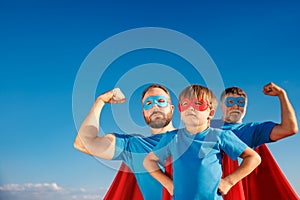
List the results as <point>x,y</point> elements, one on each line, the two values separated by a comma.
<point>164,180</point>
<point>151,165</point>
<point>248,164</point>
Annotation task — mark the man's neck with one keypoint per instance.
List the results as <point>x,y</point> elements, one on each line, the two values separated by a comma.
<point>169,127</point>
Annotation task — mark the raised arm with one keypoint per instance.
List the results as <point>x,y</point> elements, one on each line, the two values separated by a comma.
<point>87,139</point>
<point>251,160</point>
<point>151,165</point>
<point>288,125</point>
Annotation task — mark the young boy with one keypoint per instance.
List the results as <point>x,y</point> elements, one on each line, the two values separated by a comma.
<point>197,149</point>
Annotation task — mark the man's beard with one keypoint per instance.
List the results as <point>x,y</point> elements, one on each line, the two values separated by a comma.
<point>159,122</point>
<point>234,118</point>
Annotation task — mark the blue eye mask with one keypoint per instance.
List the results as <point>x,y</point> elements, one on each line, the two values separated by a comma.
<point>230,101</point>
<point>161,101</point>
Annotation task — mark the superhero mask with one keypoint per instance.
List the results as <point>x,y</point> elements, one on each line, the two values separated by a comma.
<point>161,101</point>
<point>199,105</point>
<point>230,101</point>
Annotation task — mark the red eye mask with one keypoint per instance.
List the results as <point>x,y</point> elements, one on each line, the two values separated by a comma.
<point>199,105</point>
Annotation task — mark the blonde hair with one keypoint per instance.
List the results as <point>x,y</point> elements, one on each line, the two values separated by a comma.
<point>199,92</point>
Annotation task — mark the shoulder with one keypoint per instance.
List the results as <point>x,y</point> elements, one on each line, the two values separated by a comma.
<point>170,134</point>
<point>174,132</point>
<point>129,137</point>
<point>256,125</point>
<point>216,131</point>
<point>125,135</point>
<point>223,133</point>
<point>216,123</point>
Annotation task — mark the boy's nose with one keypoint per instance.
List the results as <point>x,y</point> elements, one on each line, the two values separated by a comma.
<point>191,108</point>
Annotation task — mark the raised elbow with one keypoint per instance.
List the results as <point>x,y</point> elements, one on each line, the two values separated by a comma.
<point>78,145</point>
<point>283,132</point>
<point>295,130</point>
<point>292,130</point>
<point>145,162</point>
<point>150,162</point>
<point>258,159</point>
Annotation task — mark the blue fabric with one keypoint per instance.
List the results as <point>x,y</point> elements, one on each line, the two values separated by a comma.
<point>132,150</point>
<point>231,101</point>
<point>161,101</point>
<point>197,160</point>
<point>253,134</point>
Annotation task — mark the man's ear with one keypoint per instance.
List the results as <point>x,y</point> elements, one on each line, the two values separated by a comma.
<point>211,114</point>
<point>222,105</point>
<point>172,108</point>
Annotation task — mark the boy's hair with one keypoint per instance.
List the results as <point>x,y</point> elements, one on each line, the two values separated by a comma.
<point>157,86</point>
<point>233,90</point>
<point>199,92</point>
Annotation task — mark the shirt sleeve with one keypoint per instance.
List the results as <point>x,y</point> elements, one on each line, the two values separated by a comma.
<point>231,144</point>
<point>122,145</point>
<point>262,133</point>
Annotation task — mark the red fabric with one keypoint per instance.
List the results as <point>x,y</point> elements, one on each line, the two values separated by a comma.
<point>267,181</point>
<point>124,186</point>
<point>169,172</point>
<point>270,182</point>
<point>236,192</point>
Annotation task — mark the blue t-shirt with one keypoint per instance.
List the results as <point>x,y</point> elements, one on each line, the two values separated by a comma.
<point>132,150</point>
<point>197,160</point>
<point>253,134</point>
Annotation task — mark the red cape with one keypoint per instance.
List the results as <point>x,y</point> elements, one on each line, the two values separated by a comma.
<point>267,181</point>
<point>125,186</point>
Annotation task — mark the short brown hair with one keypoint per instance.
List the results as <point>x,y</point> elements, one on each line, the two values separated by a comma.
<point>157,86</point>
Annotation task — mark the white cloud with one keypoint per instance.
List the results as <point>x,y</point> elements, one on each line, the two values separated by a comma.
<point>30,186</point>
<point>48,191</point>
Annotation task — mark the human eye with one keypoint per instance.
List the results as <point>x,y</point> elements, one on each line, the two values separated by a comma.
<point>184,103</point>
<point>198,103</point>
<point>161,100</point>
<point>148,103</point>
<point>230,101</point>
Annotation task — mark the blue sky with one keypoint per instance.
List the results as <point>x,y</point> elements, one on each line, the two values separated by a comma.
<point>44,44</point>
